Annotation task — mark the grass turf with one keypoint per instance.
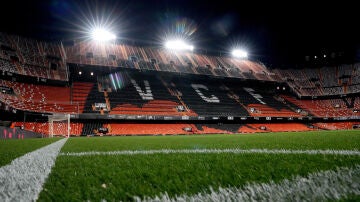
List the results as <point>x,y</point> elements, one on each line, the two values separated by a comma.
<point>10,149</point>
<point>300,140</point>
<point>82,178</point>
<point>120,178</point>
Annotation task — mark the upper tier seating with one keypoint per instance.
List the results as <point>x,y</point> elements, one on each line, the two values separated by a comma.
<point>32,58</point>
<point>146,58</point>
<point>324,81</point>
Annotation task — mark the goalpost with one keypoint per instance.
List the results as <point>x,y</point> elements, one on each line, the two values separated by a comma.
<point>59,125</point>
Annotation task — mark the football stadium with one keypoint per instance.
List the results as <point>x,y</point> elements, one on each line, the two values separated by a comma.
<point>103,119</point>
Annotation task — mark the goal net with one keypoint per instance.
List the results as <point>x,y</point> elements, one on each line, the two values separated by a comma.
<point>59,125</point>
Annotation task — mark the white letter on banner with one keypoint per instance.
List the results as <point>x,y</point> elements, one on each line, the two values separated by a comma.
<point>145,96</point>
<point>197,88</point>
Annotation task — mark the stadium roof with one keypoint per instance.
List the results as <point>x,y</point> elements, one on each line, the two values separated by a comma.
<point>273,33</point>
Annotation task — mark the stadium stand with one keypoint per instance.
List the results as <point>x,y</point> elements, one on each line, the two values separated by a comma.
<point>134,57</point>
<point>151,91</point>
<point>337,125</point>
<point>38,98</point>
<point>345,107</point>
<point>321,81</point>
<point>32,58</point>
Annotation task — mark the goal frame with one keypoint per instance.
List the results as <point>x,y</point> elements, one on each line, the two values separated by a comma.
<point>58,118</point>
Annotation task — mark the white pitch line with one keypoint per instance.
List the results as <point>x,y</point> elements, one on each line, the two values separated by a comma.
<point>321,186</point>
<point>24,177</point>
<point>214,151</point>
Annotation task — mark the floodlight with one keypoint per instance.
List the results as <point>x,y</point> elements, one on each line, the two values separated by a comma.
<point>239,53</point>
<point>102,35</point>
<point>178,45</point>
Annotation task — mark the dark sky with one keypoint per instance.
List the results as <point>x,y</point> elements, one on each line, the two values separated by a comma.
<point>274,33</point>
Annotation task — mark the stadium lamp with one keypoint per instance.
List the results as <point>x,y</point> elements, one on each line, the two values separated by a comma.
<point>102,35</point>
<point>239,53</point>
<point>178,45</point>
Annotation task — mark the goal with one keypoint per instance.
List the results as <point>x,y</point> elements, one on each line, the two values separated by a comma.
<point>59,125</point>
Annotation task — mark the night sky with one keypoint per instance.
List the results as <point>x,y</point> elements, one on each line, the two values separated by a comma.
<point>274,33</point>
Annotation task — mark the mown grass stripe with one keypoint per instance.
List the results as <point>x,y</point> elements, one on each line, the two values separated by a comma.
<point>321,186</point>
<point>23,178</point>
<point>212,151</point>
